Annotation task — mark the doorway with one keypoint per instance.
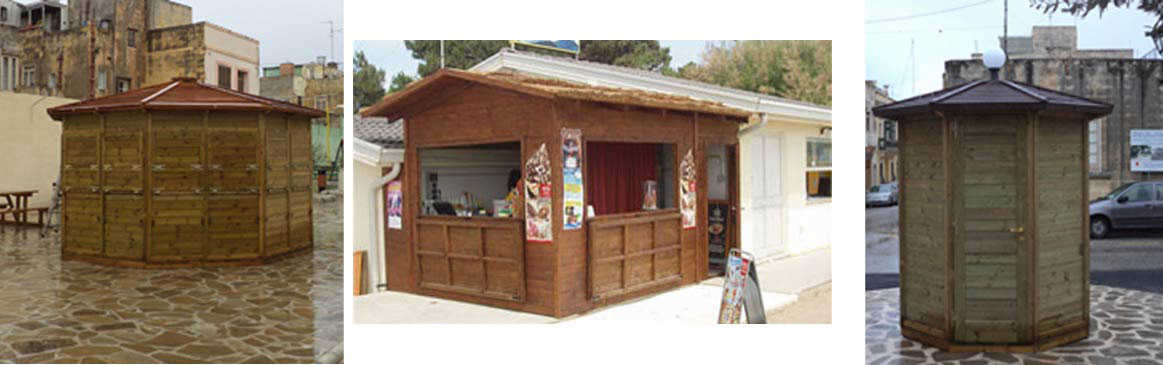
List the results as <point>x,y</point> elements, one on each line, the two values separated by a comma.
<point>722,234</point>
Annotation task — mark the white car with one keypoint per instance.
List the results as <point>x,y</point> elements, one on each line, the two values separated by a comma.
<point>883,194</point>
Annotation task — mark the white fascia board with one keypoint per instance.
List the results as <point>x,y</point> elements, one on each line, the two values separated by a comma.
<point>372,154</point>
<point>590,75</point>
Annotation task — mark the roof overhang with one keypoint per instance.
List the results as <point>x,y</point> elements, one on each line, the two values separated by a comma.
<point>376,155</point>
<point>615,76</point>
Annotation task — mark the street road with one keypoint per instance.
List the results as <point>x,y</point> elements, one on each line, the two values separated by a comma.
<point>1127,259</point>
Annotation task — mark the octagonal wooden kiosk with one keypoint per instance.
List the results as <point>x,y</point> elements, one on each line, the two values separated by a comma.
<point>994,246</point>
<point>478,128</point>
<point>185,174</point>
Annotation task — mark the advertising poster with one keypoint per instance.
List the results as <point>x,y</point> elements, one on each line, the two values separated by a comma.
<point>734,286</point>
<point>574,191</point>
<point>538,197</point>
<point>395,205</point>
<point>688,198</point>
<point>1147,150</point>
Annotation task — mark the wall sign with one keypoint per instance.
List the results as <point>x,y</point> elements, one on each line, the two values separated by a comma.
<point>395,206</point>
<point>1147,150</point>
<point>538,197</point>
<point>572,185</point>
<point>689,195</point>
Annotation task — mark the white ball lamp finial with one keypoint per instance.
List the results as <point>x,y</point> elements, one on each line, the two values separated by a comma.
<point>994,59</point>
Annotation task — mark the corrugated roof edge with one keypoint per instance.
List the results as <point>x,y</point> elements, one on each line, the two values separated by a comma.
<point>669,78</point>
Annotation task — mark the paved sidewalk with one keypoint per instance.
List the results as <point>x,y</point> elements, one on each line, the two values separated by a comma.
<point>1125,328</point>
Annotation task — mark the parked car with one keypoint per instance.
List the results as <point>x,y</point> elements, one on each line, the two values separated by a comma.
<point>1132,205</point>
<point>883,194</point>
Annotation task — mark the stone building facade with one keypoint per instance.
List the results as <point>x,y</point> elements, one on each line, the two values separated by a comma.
<point>93,48</point>
<point>880,139</point>
<point>1133,86</point>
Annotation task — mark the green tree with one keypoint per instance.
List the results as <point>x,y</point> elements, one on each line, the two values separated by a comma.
<point>1082,8</point>
<point>368,84</point>
<point>400,81</point>
<point>645,55</point>
<point>797,70</point>
<point>457,54</point>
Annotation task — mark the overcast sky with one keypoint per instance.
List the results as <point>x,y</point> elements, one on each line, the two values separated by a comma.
<point>957,34</point>
<point>287,30</point>
<point>393,57</point>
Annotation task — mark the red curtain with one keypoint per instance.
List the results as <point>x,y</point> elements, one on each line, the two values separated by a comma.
<point>615,172</point>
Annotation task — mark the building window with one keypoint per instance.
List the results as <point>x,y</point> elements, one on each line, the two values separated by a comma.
<point>819,168</point>
<point>122,84</point>
<point>132,40</point>
<point>102,80</point>
<point>4,74</point>
<point>242,80</point>
<point>3,14</point>
<point>29,76</point>
<point>1094,138</point>
<point>224,76</point>
<point>321,102</point>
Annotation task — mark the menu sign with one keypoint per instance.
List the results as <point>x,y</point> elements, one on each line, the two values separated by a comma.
<point>538,197</point>
<point>573,188</point>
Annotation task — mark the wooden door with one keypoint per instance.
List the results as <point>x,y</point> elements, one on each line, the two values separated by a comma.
<point>991,235</point>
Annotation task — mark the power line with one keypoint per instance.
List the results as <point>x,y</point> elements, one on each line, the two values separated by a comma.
<point>906,17</point>
<point>935,30</point>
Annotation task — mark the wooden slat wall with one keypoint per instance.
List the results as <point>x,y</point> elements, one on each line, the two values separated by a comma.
<point>178,207</point>
<point>300,199</point>
<point>632,254</point>
<point>478,257</point>
<point>123,149</point>
<point>992,302</point>
<point>232,211</point>
<point>81,173</point>
<point>923,224</point>
<point>1061,281</point>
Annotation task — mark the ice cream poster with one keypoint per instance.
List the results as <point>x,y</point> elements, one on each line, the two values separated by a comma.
<point>538,197</point>
<point>689,197</point>
<point>573,188</point>
<point>395,205</point>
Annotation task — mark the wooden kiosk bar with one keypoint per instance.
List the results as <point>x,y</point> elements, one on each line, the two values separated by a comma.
<point>185,174</point>
<point>994,237</point>
<point>574,148</point>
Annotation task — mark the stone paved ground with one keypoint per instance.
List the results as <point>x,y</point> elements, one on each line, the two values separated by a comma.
<point>286,312</point>
<point>1126,328</point>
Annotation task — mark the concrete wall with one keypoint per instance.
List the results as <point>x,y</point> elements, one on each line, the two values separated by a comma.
<point>165,13</point>
<point>365,175</point>
<point>12,10</point>
<point>227,48</point>
<point>176,52</point>
<point>35,138</point>
<point>1134,87</point>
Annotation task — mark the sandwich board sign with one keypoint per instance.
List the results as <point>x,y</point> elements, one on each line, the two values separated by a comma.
<point>741,290</point>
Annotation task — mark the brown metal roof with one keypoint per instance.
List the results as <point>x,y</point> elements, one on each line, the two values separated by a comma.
<point>992,96</point>
<point>181,93</point>
<point>549,88</point>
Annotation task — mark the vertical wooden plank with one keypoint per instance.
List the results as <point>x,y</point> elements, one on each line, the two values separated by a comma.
<point>625,262</point>
<point>947,164</point>
<point>311,197</point>
<point>654,256</point>
<point>204,176</point>
<point>101,177</point>
<point>484,266</point>
<point>447,258</point>
<point>147,190</point>
<point>1032,221</point>
<point>290,171</point>
<point>1084,155</point>
<point>64,226</point>
<point>262,184</point>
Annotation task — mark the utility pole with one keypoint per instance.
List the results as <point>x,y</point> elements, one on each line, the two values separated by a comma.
<point>913,57</point>
<point>331,29</point>
<point>441,53</point>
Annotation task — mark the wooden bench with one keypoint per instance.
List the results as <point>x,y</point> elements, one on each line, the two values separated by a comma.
<point>20,216</point>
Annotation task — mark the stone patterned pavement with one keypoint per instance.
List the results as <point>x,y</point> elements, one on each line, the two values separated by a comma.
<point>58,311</point>
<point>1126,328</point>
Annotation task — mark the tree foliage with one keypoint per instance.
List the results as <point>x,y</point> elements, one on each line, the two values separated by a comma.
<point>400,81</point>
<point>797,70</point>
<point>1082,8</point>
<point>457,54</point>
<point>645,55</point>
<point>368,84</point>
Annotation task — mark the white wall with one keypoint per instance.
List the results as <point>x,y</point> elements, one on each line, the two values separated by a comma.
<point>227,48</point>
<point>366,176</point>
<point>31,143</point>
